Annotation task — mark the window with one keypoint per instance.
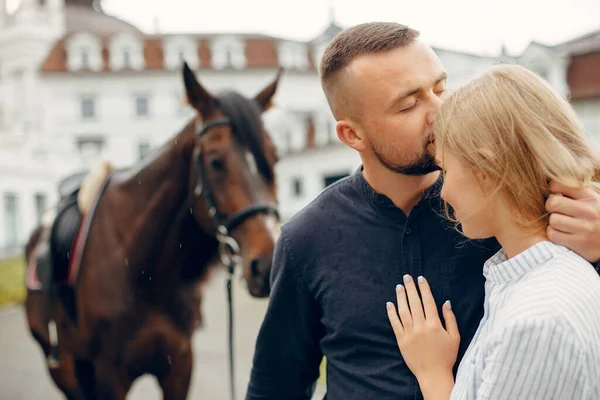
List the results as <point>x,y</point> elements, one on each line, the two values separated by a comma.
<point>179,48</point>
<point>228,58</point>
<point>329,179</point>
<point>297,187</point>
<point>126,59</point>
<point>228,52</point>
<point>143,150</point>
<point>293,55</point>
<point>40,205</point>
<point>84,52</point>
<point>11,219</point>
<point>126,51</point>
<point>88,107</point>
<point>141,106</point>
<point>85,59</point>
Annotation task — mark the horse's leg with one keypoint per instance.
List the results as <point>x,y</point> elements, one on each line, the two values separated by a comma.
<point>86,379</point>
<point>175,383</point>
<point>65,377</point>
<point>109,384</point>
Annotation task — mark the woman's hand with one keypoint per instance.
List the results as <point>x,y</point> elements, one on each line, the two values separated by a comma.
<point>428,349</point>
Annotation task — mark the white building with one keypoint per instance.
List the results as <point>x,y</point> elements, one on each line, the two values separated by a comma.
<point>78,86</point>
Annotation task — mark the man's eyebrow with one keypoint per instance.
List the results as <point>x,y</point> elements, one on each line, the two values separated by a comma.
<point>412,92</point>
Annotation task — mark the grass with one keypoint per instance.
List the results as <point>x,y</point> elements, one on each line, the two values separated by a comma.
<point>322,379</point>
<point>12,281</point>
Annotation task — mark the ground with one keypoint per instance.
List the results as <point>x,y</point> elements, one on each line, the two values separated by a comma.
<point>23,375</point>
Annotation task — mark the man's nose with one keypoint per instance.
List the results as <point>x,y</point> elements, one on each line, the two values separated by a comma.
<point>434,103</point>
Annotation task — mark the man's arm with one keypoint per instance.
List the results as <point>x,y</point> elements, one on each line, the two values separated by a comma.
<point>287,353</point>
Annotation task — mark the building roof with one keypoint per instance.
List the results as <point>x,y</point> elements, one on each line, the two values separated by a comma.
<point>83,18</point>
<point>585,44</point>
<point>260,52</point>
<point>87,16</point>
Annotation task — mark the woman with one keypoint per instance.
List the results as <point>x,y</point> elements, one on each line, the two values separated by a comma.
<point>500,140</point>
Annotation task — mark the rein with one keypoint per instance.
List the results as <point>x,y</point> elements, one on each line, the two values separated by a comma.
<point>229,249</point>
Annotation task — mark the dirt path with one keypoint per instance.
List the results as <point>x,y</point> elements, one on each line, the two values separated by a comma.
<point>23,375</point>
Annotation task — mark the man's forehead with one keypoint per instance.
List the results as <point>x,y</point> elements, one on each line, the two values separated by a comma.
<point>412,65</point>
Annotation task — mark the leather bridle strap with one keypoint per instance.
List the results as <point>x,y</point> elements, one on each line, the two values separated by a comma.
<point>229,250</point>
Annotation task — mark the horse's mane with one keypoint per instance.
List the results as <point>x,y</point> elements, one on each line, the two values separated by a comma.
<point>245,116</point>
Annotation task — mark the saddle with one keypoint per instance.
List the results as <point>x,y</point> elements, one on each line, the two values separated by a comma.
<point>54,266</point>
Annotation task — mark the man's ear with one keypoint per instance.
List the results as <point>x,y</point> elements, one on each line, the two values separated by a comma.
<point>351,135</point>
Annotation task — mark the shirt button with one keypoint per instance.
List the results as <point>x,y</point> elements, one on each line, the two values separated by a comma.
<point>407,231</point>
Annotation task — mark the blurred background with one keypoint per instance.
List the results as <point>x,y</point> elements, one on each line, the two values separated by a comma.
<point>82,81</point>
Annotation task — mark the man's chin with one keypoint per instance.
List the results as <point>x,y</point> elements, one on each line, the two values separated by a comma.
<point>425,165</point>
<point>416,169</point>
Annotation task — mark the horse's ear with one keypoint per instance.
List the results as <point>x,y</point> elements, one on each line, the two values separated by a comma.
<point>265,97</point>
<point>197,96</point>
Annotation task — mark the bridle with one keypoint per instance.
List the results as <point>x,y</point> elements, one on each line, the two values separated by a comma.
<point>229,249</point>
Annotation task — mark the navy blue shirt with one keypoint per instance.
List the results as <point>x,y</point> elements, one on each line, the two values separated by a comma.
<point>336,264</point>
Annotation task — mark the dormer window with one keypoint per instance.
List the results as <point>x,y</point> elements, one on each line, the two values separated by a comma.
<point>228,57</point>
<point>84,52</point>
<point>177,49</point>
<point>293,55</point>
<point>126,51</point>
<point>126,59</point>
<point>228,52</point>
<point>85,59</point>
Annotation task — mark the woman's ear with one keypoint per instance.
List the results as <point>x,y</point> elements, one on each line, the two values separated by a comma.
<point>485,181</point>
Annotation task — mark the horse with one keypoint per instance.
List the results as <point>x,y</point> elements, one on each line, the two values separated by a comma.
<point>124,299</point>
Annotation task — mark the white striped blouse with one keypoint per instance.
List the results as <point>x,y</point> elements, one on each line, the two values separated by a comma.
<point>539,337</point>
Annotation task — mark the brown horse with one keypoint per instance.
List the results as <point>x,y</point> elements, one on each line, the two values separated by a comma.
<point>155,237</point>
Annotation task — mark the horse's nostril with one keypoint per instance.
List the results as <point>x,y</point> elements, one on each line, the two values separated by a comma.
<point>254,271</point>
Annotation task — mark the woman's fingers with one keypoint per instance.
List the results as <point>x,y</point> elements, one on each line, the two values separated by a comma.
<point>431,312</point>
<point>416,308</point>
<point>403,310</point>
<point>395,321</point>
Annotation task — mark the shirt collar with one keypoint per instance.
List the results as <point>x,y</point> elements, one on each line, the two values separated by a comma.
<point>384,204</point>
<point>500,269</point>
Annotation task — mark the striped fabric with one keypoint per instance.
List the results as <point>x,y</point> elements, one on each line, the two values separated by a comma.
<point>539,337</point>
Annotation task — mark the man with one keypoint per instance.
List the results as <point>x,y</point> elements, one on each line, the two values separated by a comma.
<point>338,260</point>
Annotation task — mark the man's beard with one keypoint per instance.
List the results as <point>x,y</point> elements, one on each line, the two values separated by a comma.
<point>422,166</point>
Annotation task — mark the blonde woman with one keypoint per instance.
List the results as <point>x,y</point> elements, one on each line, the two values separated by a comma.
<point>500,140</point>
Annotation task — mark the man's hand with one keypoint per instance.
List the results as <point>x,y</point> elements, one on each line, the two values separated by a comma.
<point>575,220</point>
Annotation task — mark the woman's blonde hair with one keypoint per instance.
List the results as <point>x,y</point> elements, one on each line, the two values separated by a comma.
<point>511,126</point>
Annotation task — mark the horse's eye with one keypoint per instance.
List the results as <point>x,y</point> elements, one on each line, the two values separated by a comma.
<point>217,164</point>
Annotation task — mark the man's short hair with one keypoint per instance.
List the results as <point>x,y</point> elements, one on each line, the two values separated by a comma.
<point>366,38</point>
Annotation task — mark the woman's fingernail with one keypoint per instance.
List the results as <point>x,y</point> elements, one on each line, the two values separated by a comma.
<point>388,305</point>
<point>406,278</point>
<point>398,288</point>
<point>420,279</point>
<point>448,305</point>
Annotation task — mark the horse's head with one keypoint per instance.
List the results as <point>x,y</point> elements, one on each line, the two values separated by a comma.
<point>234,178</point>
